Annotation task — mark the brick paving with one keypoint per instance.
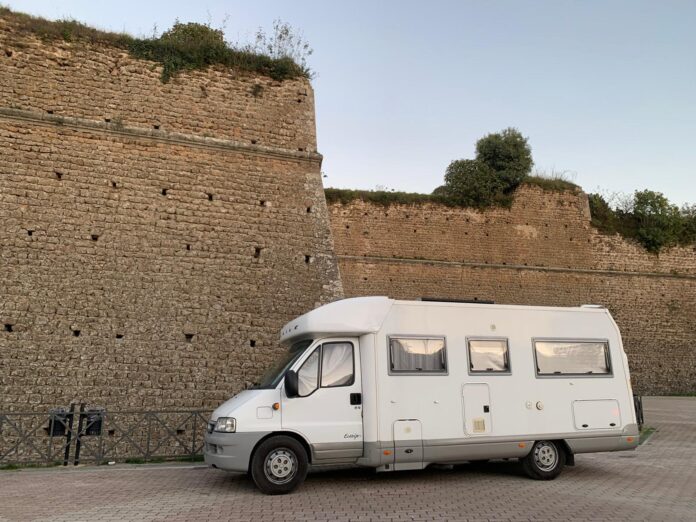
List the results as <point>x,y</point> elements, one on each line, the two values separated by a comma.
<point>656,482</point>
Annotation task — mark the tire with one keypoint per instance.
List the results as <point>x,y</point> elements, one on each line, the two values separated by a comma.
<point>279,465</point>
<point>545,461</point>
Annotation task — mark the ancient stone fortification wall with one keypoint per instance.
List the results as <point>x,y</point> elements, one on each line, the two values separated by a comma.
<point>144,264</point>
<point>541,251</point>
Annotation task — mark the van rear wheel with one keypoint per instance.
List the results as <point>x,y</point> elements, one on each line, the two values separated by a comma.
<point>545,461</point>
<point>279,465</point>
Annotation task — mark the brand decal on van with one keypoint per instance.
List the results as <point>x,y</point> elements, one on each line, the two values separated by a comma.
<point>351,436</point>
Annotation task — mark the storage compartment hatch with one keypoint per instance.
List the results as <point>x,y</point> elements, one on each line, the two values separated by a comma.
<point>601,414</point>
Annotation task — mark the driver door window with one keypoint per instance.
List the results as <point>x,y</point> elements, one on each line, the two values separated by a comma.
<point>308,375</point>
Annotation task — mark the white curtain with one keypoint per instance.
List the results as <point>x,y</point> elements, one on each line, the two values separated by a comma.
<point>555,357</point>
<point>488,355</point>
<point>337,364</point>
<point>417,354</point>
<point>308,375</point>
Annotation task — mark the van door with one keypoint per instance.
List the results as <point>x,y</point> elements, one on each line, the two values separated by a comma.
<point>328,412</point>
<point>477,409</point>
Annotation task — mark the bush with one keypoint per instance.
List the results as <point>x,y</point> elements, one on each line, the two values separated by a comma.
<point>648,218</point>
<point>508,154</point>
<point>503,161</point>
<point>658,222</point>
<point>471,183</point>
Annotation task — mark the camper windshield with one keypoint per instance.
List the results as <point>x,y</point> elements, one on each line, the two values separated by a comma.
<point>275,373</point>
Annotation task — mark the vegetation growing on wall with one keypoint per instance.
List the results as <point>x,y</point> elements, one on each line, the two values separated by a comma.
<point>503,162</point>
<point>647,217</point>
<point>185,46</point>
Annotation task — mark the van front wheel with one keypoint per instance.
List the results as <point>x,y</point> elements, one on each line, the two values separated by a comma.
<point>545,461</point>
<point>279,465</point>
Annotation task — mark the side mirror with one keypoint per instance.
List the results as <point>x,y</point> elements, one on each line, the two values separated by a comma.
<point>291,384</point>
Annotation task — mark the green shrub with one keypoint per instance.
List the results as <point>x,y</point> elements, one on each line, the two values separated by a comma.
<point>503,161</point>
<point>508,154</point>
<point>649,218</point>
<point>472,183</point>
<point>658,222</point>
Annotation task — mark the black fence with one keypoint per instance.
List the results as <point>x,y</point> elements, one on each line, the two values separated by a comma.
<point>95,435</point>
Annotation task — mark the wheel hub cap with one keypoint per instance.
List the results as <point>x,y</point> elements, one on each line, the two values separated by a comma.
<point>545,456</point>
<point>280,466</point>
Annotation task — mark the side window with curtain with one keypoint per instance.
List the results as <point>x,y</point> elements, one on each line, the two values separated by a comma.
<point>337,366</point>
<point>488,356</point>
<point>308,375</point>
<point>417,355</point>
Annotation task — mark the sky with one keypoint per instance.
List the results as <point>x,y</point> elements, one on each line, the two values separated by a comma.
<point>604,90</point>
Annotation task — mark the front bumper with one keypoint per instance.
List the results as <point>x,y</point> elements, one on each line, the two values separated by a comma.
<point>231,451</point>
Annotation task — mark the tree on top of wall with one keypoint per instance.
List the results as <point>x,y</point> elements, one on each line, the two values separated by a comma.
<point>503,160</point>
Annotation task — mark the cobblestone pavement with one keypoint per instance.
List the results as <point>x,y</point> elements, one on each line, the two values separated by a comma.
<point>656,482</point>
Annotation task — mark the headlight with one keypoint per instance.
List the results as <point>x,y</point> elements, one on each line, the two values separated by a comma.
<point>226,425</point>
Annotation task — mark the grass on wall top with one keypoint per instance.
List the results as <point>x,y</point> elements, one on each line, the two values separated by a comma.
<point>184,47</point>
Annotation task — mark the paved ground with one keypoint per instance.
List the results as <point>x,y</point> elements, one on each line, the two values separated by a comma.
<point>656,482</point>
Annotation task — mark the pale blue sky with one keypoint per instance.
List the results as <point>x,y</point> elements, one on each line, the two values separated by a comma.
<point>605,89</point>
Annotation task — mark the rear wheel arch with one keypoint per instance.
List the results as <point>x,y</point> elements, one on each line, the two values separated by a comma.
<point>569,455</point>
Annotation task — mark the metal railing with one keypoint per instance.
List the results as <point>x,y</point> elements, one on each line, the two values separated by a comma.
<point>66,436</point>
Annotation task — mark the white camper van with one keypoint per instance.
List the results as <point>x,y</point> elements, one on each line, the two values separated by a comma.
<point>398,385</point>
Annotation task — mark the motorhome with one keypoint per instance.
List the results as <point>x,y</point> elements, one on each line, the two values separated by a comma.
<point>399,385</point>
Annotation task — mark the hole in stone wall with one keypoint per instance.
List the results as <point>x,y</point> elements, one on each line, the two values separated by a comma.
<point>30,232</point>
<point>347,227</point>
<point>111,433</point>
<point>156,127</point>
<point>307,259</point>
<point>180,431</point>
<point>114,184</point>
<point>252,343</point>
<point>309,210</point>
<point>50,111</point>
<point>188,247</point>
<point>301,149</point>
<point>119,336</point>
<point>253,142</point>
<point>257,252</point>
<point>59,175</point>
<point>299,100</point>
<point>164,191</point>
<point>107,120</point>
<point>263,203</point>
<point>8,327</point>
<point>76,333</point>
<point>210,196</point>
<point>189,337</point>
<point>95,237</point>
<point>8,53</point>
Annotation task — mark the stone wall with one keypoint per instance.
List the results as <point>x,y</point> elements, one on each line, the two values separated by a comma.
<point>542,251</point>
<point>146,264</point>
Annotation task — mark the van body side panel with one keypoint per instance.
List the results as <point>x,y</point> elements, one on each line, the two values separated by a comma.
<point>523,406</point>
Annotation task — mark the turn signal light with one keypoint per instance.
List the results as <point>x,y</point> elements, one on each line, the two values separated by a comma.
<point>387,452</point>
<point>276,406</point>
<point>522,445</point>
<point>629,439</point>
